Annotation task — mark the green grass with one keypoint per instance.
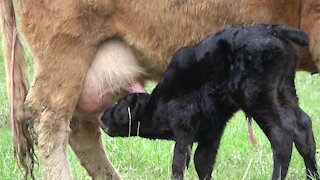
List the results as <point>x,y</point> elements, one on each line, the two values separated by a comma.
<point>137,158</point>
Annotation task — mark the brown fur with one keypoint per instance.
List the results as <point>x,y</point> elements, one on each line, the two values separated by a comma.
<point>65,35</point>
<point>85,141</point>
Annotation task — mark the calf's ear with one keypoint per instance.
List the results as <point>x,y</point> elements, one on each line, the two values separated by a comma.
<point>138,103</point>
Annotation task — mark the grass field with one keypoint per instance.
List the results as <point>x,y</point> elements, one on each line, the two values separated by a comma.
<point>138,158</point>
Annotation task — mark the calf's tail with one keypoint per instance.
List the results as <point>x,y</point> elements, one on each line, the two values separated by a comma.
<point>295,35</point>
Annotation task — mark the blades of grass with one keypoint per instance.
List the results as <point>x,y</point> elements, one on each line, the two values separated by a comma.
<point>247,170</point>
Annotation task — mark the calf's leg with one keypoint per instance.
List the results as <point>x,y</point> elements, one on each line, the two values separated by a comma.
<point>305,144</point>
<point>280,134</point>
<point>184,139</point>
<point>181,156</point>
<point>206,152</point>
<point>188,156</point>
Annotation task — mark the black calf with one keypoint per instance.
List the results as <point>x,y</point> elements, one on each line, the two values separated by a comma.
<point>251,68</point>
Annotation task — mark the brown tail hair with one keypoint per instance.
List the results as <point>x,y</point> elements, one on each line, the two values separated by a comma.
<point>17,88</point>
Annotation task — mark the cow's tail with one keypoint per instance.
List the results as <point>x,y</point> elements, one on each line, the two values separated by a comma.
<point>17,88</point>
<point>295,35</point>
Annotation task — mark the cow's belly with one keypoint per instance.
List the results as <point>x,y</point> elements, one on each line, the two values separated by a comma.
<point>114,71</point>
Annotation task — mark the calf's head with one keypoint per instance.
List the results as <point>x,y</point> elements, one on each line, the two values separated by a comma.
<point>123,118</point>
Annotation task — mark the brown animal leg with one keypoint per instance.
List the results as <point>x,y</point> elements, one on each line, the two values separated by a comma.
<point>85,140</point>
<point>52,100</point>
<point>53,130</point>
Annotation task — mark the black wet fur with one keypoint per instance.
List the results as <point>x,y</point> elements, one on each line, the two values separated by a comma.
<point>248,68</point>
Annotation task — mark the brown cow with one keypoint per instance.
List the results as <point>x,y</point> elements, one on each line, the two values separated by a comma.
<point>64,37</point>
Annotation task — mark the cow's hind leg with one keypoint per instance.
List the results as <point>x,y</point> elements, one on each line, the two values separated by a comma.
<point>85,140</point>
<point>52,100</point>
<point>304,142</point>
